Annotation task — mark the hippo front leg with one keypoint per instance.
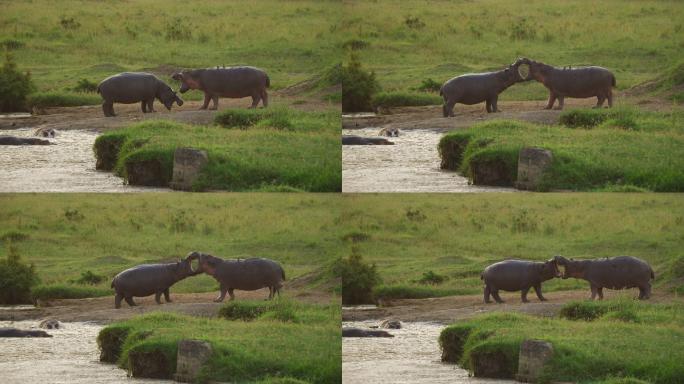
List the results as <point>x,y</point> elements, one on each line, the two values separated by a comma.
<point>167,296</point>
<point>143,106</point>
<point>207,97</point>
<point>537,290</point>
<point>108,109</point>
<point>230,293</point>
<point>222,294</point>
<point>487,293</point>
<point>552,100</point>
<point>492,104</point>
<point>488,106</point>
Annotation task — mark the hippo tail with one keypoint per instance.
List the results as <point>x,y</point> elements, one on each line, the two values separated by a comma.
<point>282,273</point>
<point>613,82</point>
<point>268,82</point>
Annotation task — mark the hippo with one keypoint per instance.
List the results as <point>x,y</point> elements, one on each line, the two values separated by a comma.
<point>578,82</point>
<point>133,87</point>
<point>45,132</point>
<point>389,132</point>
<point>391,324</point>
<point>50,324</point>
<point>243,274</point>
<point>358,332</point>
<point>12,140</point>
<point>232,82</point>
<point>359,140</point>
<point>517,275</point>
<point>475,88</point>
<point>14,332</point>
<point>148,279</point>
<point>614,273</point>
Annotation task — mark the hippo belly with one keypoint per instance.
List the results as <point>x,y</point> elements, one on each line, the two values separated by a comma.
<point>143,280</point>
<point>470,89</point>
<point>128,87</point>
<point>236,82</point>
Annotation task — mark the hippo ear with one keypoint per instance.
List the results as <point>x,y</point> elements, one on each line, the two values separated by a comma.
<point>177,76</point>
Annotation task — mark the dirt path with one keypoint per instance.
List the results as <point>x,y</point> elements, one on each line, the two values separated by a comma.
<point>446,310</point>
<point>91,117</point>
<point>101,309</point>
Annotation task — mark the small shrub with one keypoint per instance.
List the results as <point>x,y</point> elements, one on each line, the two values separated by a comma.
<point>16,279</point>
<point>358,279</point>
<point>355,44</point>
<point>415,215</point>
<point>356,237</point>
<point>523,30</point>
<point>243,310</point>
<point>178,30</point>
<point>414,22</point>
<point>238,118</point>
<point>85,85</point>
<point>110,340</point>
<point>580,310</point>
<point>582,118</point>
<point>13,236</point>
<point>431,278</point>
<point>429,85</point>
<point>69,23</point>
<point>89,278</point>
<point>12,44</point>
<point>451,341</point>
<point>14,86</point>
<point>358,86</point>
<point>73,214</point>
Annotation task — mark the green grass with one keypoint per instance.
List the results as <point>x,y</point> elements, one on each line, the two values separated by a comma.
<point>65,291</point>
<point>284,149</point>
<point>262,349</point>
<point>414,292</point>
<point>404,99</point>
<point>67,234</point>
<point>80,42</point>
<point>626,148</point>
<point>62,99</point>
<point>459,235</point>
<point>646,344</point>
<point>639,40</point>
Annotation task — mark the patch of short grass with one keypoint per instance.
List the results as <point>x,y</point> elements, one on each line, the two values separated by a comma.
<point>265,349</point>
<point>66,291</point>
<point>62,99</point>
<point>402,291</point>
<point>405,99</point>
<point>651,159</point>
<point>281,309</point>
<point>605,349</point>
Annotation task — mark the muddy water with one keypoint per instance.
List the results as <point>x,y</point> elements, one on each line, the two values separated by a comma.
<point>67,166</point>
<point>70,356</point>
<point>411,356</point>
<point>410,165</point>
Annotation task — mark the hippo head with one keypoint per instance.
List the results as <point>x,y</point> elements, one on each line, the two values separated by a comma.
<point>207,262</point>
<point>514,73</point>
<point>184,266</point>
<point>537,70</point>
<point>168,97</point>
<point>549,270</point>
<point>188,80</point>
<point>571,267</point>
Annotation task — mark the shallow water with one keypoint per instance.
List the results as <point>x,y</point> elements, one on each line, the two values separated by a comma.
<point>410,165</point>
<point>411,356</point>
<point>70,356</point>
<point>68,166</point>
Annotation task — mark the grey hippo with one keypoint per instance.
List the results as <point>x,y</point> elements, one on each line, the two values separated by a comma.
<point>360,140</point>
<point>517,275</point>
<point>12,140</point>
<point>231,82</point>
<point>147,279</point>
<point>135,87</point>
<point>14,332</point>
<point>579,82</point>
<point>242,274</point>
<point>358,332</point>
<point>475,88</point>
<point>613,273</point>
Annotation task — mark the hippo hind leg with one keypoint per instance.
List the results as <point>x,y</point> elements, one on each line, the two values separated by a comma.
<point>108,108</point>
<point>143,106</point>
<point>256,98</point>
<point>449,108</point>
<point>167,295</point>
<point>150,105</point>
<point>117,300</point>
<point>230,293</point>
<point>264,98</point>
<point>561,103</point>
<point>495,293</point>
<point>207,97</point>
<point>129,300</point>
<point>487,293</point>
<point>609,95</point>
<point>599,101</point>
<point>157,297</point>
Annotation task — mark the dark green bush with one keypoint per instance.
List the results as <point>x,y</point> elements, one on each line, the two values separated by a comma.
<point>358,86</point>
<point>583,310</point>
<point>431,278</point>
<point>89,278</point>
<point>14,86</point>
<point>358,279</point>
<point>16,279</point>
<point>583,118</point>
<point>429,85</point>
<point>244,310</point>
<point>11,44</point>
<point>238,118</point>
<point>85,85</point>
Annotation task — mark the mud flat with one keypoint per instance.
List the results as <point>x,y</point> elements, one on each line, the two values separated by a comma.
<point>411,356</point>
<point>70,356</point>
<point>66,166</point>
<point>410,165</point>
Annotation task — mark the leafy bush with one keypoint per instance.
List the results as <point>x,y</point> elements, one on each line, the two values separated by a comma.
<point>11,44</point>
<point>89,278</point>
<point>13,236</point>
<point>178,30</point>
<point>355,44</point>
<point>14,86</point>
<point>431,278</point>
<point>85,85</point>
<point>358,86</point>
<point>583,310</point>
<point>243,310</point>
<point>584,118</point>
<point>358,278</point>
<point>16,279</point>
<point>429,85</point>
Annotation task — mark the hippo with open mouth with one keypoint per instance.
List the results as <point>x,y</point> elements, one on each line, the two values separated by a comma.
<point>475,88</point>
<point>147,279</point>
<point>232,82</point>
<point>135,87</point>
<point>612,272</point>
<point>579,82</point>
<point>517,275</point>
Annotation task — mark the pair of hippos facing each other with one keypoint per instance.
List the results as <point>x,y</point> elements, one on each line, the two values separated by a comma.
<point>612,273</point>
<point>579,82</point>
<point>144,88</point>
<point>156,279</point>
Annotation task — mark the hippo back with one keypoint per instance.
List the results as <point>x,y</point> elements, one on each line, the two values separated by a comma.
<point>473,88</point>
<point>512,275</point>
<point>145,279</point>
<point>580,82</point>
<point>129,87</point>
<point>234,81</point>
<point>250,274</point>
<point>618,272</point>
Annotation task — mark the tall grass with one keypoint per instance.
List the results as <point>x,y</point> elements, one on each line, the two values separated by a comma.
<point>61,99</point>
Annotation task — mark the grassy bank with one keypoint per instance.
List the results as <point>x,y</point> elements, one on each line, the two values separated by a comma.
<point>630,339</point>
<point>79,42</point>
<point>639,40</point>
<point>289,339</point>
<point>65,235</point>
<point>609,149</point>
<point>276,150</point>
<point>409,235</point>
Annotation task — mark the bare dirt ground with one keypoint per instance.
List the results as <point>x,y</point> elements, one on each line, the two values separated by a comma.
<point>101,309</point>
<point>446,310</point>
<point>91,117</point>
